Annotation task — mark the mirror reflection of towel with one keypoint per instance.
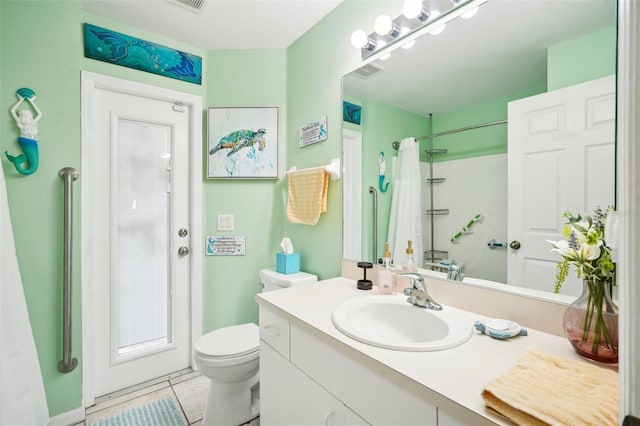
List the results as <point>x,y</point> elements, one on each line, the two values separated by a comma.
<point>307,195</point>
<point>547,389</point>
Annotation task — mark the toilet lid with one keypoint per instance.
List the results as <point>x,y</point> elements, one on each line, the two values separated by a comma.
<point>234,340</point>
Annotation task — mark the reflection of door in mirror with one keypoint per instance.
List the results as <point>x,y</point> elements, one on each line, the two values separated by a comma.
<point>352,202</point>
<point>559,142</point>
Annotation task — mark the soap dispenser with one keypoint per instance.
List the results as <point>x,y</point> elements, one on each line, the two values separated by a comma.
<point>410,265</point>
<point>386,283</point>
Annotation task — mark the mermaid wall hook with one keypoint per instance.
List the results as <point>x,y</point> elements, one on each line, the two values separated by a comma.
<point>381,163</point>
<point>28,125</point>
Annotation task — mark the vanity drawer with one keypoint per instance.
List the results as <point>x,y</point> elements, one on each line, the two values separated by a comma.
<point>274,330</point>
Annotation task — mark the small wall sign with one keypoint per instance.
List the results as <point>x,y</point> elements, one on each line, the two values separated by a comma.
<point>313,132</point>
<point>228,245</point>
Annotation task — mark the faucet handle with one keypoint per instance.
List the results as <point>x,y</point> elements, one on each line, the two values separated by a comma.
<point>417,281</point>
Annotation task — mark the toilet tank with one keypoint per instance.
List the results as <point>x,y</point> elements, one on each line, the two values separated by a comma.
<point>272,280</point>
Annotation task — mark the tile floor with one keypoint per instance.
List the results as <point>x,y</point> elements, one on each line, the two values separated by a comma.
<point>188,390</point>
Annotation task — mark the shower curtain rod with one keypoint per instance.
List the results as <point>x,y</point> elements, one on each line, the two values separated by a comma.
<point>396,144</point>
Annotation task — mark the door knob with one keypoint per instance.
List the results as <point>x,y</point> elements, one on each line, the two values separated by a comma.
<point>515,244</point>
<point>183,251</point>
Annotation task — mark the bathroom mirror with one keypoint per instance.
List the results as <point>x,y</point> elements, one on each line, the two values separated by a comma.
<point>466,76</point>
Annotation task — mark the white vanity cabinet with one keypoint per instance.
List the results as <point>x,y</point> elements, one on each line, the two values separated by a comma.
<point>309,378</point>
<point>290,397</point>
<point>287,395</point>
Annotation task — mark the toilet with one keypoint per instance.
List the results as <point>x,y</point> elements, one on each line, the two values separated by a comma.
<point>228,357</point>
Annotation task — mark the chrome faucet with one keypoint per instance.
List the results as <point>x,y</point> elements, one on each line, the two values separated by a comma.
<point>455,272</point>
<point>418,292</point>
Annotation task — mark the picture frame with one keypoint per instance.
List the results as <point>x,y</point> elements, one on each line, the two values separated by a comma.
<point>351,113</point>
<point>116,48</point>
<point>242,142</point>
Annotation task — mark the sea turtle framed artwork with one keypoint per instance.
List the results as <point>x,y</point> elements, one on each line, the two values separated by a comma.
<point>242,142</point>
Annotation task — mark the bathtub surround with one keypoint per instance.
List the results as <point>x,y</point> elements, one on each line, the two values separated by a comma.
<point>22,398</point>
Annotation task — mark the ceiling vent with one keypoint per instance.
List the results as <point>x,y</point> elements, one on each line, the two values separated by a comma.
<point>367,71</point>
<point>195,6</point>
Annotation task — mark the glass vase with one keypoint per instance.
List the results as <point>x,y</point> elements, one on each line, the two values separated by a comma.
<point>591,323</point>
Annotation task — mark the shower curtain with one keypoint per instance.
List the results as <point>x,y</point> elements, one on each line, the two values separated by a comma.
<point>405,220</point>
<point>22,397</point>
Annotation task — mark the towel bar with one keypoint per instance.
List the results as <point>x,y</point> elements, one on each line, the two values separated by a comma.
<point>333,168</point>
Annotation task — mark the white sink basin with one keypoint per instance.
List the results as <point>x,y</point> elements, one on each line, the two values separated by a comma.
<point>391,322</point>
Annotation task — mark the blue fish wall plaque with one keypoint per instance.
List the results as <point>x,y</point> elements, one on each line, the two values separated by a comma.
<point>120,49</point>
<point>351,113</point>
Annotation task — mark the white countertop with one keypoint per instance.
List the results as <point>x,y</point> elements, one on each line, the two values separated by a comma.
<point>458,374</point>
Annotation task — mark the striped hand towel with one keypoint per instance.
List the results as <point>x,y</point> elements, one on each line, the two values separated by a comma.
<point>307,195</point>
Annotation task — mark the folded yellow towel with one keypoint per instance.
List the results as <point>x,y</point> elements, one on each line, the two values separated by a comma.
<point>307,195</point>
<point>546,389</point>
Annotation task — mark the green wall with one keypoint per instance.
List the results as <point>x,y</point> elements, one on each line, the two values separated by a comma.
<point>243,78</point>
<point>303,81</point>
<point>47,55</point>
<point>582,59</point>
<point>316,63</point>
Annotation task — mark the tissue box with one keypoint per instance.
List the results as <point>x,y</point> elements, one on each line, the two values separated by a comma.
<point>287,263</point>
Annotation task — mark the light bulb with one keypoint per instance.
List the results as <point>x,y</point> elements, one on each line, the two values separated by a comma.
<point>359,39</point>
<point>412,8</point>
<point>470,14</point>
<point>383,25</point>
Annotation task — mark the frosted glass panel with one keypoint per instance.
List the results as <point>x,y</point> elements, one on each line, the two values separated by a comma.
<point>143,163</point>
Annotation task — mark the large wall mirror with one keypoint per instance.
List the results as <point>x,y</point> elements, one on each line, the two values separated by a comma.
<point>522,99</point>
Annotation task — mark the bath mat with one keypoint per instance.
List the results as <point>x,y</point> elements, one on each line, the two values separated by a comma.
<point>162,412</point>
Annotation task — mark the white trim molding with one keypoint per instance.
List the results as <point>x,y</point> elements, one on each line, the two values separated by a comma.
<point>89,82</point>
<point>628,204</point>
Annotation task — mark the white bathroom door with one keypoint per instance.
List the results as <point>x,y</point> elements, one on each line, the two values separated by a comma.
<point>139,220</point>
<point>561,157</point>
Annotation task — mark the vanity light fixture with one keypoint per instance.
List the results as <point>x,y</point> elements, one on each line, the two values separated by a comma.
<point>415,21</point>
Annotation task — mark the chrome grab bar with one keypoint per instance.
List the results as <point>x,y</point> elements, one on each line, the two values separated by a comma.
<point>68,363</point>
<point>373,192</point>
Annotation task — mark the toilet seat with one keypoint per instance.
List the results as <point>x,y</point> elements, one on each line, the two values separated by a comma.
<point>229,342</point>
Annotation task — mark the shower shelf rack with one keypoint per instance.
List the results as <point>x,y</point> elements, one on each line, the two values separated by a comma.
<point>433,256</point>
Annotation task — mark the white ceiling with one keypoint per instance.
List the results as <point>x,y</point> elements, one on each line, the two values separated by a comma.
<point>222,25</point>
<point>499,52</point>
